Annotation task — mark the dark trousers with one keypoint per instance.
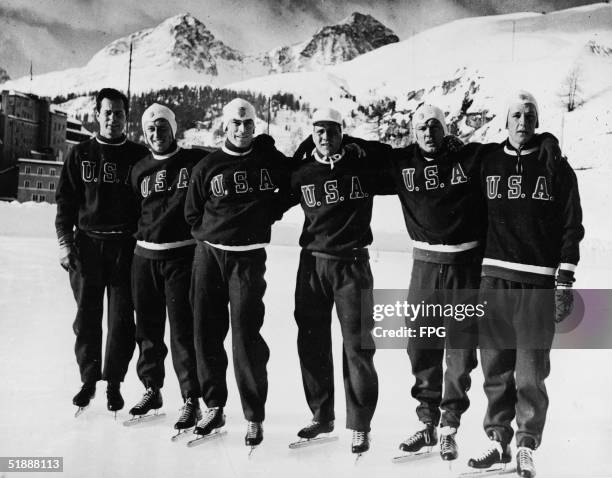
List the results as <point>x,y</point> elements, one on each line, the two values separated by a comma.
<point>158,284</point>
<point>220,277</point>
<point>105,265</point>
<point>321,282</point>
<point>516,335</point>
<point>436,283</point>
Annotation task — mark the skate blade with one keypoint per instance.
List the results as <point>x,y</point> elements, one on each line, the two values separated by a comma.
<point>182,434</point>
<point>358,457</point>
<point>498,470</point>
<point>80,411</point>
<point>137,420</point>
<point>306,442</point>
<point>205,438</point>
<point>252,450</point>
<point>410,457</point>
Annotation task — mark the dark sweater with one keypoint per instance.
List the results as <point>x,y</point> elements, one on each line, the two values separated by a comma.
<point>233,199</point>
<point>442,201</point>
<point>94,192</point>
<point>161,182</point>
<point>337,202</point>
<point>534,220</point>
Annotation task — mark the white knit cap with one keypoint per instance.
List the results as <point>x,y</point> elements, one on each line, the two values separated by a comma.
<point>238,109</point>
<point>425,112</point>
<point>157,111</point>
<point>522,97</point>
<point>327,114</point>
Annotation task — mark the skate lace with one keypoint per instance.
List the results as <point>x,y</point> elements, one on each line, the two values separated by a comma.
<point>186,411</point>
<point>146,398</point>
<point>210,415</point>
<point>524,459</point>
<point>414,438</point>
<point>358,437</point>
<point>486,454</point>
<point>252,429</point>
<point>447,444</point>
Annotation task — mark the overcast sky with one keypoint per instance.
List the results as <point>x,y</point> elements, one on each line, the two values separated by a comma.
<point>59,34</point>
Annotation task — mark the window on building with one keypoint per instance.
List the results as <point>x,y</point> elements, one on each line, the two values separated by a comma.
<point>26,184</point>
<point>38,184</point>
<point>39,171</point>
<point>28,170</point>
<point>38,197</point>
<point>52,172</point>
<point>52,186</point>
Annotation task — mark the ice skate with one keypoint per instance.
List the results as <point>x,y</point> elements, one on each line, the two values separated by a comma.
<point>418,445</point>
<point>83,397</point>
<point>448,444</point>
<point>209,427</point>
<point>492,462</point>
<point>114,400</point>
<point>151,401</point>
<point>360,444</point>
<point>254,435</point>
<point>524,463</point>
<point>315,433</point>
<point>189,417</point>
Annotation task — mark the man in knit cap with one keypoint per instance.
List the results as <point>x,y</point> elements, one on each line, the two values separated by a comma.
<point>161,270</point>
<point>335,188</point>
<point>443,211</point>
<point>532,246</point>
<point>231,204</point>
<point>96,217</point>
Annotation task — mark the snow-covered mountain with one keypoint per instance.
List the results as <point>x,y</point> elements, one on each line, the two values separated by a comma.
<point>181,50</point>
<point>182,41</point>
<point>355,35</point>
<point>178,51</point>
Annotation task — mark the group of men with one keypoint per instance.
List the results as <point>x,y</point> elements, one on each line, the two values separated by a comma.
<point>165,228</point>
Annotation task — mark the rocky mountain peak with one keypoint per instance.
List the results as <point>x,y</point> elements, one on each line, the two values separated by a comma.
<point>333,44</point>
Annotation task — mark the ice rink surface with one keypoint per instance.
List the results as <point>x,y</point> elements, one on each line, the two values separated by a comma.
<point>39,376</point>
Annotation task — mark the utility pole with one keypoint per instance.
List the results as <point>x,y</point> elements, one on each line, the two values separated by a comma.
<point>269,101</point>
<point>513,32</point>
<point>128,88</point>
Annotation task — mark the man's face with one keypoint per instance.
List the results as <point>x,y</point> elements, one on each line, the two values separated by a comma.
<point>429,136</point>
<point>522,120</point>
<point>159,135</point>
<point>111,118</point>
<point>240,133</point>
<point>327,137</point>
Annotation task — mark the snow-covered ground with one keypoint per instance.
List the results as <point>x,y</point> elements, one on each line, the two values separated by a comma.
<point>39,377</point>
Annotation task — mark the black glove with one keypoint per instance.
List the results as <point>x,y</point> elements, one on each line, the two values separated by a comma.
<point>452,143</point>
<point>263,142</point>
<point>564,301</point>
<point>550,152</point>
<point>304,149</point>
<point>355,149</point>
<point>69,257</point>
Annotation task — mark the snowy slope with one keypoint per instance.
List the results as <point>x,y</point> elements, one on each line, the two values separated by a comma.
<point>480,59</point>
